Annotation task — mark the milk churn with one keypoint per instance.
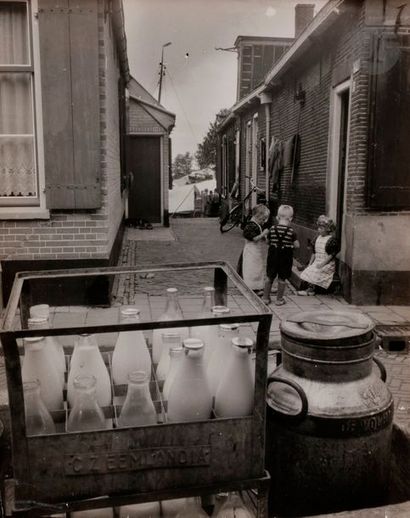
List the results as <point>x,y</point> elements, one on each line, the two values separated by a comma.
<point>329,416</point>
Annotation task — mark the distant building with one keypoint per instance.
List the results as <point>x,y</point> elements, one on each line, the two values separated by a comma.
<point>333,111</point>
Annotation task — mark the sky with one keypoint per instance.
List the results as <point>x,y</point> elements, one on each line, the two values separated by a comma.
<point>199,80</point>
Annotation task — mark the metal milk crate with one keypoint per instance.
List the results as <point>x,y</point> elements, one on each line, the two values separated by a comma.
<point>61,471</point>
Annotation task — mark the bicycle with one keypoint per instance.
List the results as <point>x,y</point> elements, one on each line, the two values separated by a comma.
<point>238,215</point>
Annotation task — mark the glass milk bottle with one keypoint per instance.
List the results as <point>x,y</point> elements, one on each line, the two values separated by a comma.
<point>220,355</point>
<point>235,394</point>
<point>86,413</point>
<point>175,355</point>
<point>88,361</point>
<point>208,303</point>
<point>54,349</point>
<point>43,311</point>
<point>131,351</point>
<point>171,508</point>
<point>37,365</point>
<point>213,332</point>
<point>40,310</point>
<point>138,408</point>
<point>38,418</point>
<point>170,339</point>
<point>192,509</point>
<point>144,510</point>
<point>208,333</point>
<point>234,507</point>
<point>172,312</point>
<point>189,396</point>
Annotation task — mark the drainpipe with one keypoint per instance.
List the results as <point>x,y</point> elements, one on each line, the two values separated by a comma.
<point>266,100</point>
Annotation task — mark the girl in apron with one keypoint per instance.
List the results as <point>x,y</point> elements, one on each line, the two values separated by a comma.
<point>252,262</point>
<point>322,264</point>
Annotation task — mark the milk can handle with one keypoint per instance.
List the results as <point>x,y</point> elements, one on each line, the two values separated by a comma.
<point>304,410</point>
<point>382,368</point>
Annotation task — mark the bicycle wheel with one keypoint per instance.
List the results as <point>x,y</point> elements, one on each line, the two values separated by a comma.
<point>232,219</point>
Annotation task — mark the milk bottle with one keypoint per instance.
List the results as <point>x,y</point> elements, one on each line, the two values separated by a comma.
<point>172,312</point>
<point>189,396</point>
<point>37,365</point>
<point>130,351</point>
<point>88,361</point>
<point>235,394</point>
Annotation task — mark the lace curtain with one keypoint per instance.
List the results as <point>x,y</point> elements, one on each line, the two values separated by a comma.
<point>17,155</point>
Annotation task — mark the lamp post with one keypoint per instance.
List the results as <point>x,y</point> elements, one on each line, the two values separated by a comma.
<point>161,72</point>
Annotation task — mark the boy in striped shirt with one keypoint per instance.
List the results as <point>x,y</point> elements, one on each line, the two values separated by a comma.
<point>282,241</point>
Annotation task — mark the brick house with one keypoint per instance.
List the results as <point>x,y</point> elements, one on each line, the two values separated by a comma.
<point>341,91</point>
<point>148,146</point>
<point>63,74</point>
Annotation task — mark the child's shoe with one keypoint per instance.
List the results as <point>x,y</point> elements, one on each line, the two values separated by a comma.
<point>280,302</point>
<point>308,292</point>
<point>266,301</point>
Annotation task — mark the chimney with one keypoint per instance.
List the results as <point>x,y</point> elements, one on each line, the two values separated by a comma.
<point>303,16</point>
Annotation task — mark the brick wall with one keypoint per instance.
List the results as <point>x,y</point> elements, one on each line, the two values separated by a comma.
<point>328,62</point>
<point>112,208</point>
<point>139,120</point>
<point>73,234</point>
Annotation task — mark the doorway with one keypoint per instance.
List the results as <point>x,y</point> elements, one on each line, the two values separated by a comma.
<point>339,154</point>
<point>144,178</point>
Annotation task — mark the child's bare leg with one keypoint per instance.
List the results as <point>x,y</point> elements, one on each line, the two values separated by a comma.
<point>281,291</point>
<point>266,289</point>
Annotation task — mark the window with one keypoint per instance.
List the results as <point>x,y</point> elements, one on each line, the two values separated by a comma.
<point>18,155</point>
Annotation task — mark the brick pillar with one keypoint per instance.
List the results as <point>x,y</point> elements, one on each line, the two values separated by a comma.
<point>303,16</point>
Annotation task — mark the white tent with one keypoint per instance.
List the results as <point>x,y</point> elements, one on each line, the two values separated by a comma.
<point>182,197</point>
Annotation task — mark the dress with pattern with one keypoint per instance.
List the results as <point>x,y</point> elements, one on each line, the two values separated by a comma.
<point>321,277</point>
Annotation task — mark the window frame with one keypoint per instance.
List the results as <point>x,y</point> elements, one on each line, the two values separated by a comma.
<point>35,204</point>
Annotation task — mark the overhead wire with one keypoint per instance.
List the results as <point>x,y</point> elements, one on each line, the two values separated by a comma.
<point>182,107</point>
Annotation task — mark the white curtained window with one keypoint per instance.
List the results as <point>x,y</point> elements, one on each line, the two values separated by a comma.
<point>18,171</point>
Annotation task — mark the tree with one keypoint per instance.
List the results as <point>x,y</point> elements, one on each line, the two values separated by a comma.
<point>182,165</point>
<point>206,152</point>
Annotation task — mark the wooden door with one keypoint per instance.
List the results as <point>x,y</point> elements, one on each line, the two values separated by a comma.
<point>144,178</point>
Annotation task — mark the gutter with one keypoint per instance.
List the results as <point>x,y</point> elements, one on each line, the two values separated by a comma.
<point>229,118</point>
<point>326,16</point>
<point>320,23</point>
<point>119,30</point>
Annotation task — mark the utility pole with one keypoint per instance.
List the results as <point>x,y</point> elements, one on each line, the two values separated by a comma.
<point>162,69</point>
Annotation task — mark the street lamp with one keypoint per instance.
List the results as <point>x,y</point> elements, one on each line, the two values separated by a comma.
<point>161,72</point>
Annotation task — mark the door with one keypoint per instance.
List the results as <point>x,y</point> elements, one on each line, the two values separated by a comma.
<point>343,142</point>
<point>254,156</point>
<point>339,150</point>
<point>144,178</point>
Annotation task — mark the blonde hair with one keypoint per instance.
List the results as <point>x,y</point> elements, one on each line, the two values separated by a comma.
<point>260,210</point>
<point>285,211</point>
<point>326,222</point>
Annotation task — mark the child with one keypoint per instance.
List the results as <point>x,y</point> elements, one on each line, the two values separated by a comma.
<point>282,240</point>
<point>322,264</point>
<point>251,264</point>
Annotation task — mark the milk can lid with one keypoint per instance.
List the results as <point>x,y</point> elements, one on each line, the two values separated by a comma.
<point>326,325</point>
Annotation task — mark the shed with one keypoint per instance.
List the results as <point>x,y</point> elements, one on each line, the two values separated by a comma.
<point>148,151</point>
